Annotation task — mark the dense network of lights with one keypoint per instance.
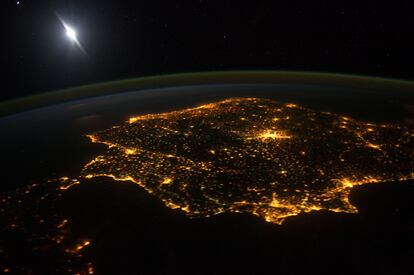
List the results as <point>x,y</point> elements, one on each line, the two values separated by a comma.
<point>253,155</point>
<point>248,155</point>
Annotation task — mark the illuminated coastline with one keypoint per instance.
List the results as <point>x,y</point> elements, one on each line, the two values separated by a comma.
<point>253,155</point>
<point>241,155</point>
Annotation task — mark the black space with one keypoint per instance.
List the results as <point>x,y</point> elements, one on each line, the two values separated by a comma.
<point>126,39</point>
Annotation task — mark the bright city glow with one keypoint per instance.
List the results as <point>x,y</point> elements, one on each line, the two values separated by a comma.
<point>302,161</point>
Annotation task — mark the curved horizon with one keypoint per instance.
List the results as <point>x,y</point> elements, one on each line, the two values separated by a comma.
<point>203,78</point>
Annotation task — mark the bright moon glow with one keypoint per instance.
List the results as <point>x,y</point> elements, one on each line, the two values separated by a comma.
<point>71,33</point>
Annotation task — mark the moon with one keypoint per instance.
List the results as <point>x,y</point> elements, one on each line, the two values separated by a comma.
<point>71,33</point>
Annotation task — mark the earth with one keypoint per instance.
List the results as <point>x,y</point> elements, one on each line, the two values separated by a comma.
<point>210,173</point>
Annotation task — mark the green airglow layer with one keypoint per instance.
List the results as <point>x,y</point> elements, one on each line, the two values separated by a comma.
<point>204,78</point>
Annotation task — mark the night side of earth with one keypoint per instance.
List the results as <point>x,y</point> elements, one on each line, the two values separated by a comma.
<point>253,155</point>
<point>207,137</point>
<point>273,178</point>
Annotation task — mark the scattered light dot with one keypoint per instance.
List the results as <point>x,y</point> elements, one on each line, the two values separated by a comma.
<point>270,134</point>
<point>374,146</point>
<point>167,181</point>
<point>130,151</point>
